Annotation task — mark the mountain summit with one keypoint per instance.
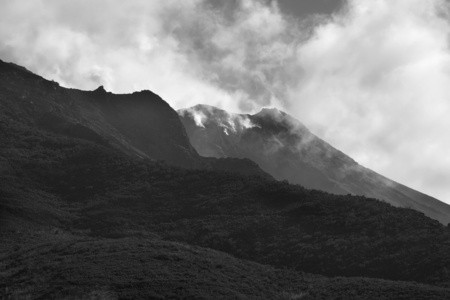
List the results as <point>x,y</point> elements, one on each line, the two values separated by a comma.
<point>286,149</point>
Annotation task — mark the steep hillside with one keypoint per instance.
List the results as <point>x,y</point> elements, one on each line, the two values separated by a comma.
<point>141,124</point>
<point>287,150</point>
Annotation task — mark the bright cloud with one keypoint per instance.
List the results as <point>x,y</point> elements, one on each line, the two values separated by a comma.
<point>376,86</point>
<point>187,51</point>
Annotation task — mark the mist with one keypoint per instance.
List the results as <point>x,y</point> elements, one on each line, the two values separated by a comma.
<point>377,77</point>
<point>371,78</point>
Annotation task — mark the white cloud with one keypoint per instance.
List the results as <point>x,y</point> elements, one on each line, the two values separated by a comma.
<point>186,51</point>
<point>123,45</point>
<point>376,86</point>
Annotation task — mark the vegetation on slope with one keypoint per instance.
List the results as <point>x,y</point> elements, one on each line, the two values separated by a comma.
<point>82,187</point>
<point>68,267</point>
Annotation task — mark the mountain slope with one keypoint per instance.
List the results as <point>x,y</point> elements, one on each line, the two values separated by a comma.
<point>287,150</point>
<point>151,268</point>
<point>54,185</point>
<point>140,124</point>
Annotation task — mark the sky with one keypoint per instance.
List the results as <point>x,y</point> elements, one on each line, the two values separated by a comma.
<point>371,77</point>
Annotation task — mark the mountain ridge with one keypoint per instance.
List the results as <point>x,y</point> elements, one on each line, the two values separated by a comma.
<point>285,148</point>
<point>140,124</point>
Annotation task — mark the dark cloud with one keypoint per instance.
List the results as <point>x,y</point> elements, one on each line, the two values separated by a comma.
<point>294,8</point>
<point>304,8</point>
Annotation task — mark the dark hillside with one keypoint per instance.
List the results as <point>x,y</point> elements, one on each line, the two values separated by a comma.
<point>141,124</point>
<point>150,268</point>
<point>52,183</point>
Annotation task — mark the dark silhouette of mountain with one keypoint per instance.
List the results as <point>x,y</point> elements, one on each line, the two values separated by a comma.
<point>286,149</point>
<point>84,214</point>
<point>141,124</point>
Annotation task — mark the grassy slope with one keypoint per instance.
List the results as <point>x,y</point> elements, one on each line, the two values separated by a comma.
<point>149,268</point>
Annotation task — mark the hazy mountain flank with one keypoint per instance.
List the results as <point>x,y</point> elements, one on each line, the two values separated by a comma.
<point>286,149</point>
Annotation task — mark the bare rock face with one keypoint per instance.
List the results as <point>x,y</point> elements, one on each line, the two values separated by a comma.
<point>286,149</point>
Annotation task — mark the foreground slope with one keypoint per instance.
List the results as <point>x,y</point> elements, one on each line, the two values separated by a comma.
<point>150,268</point>
<point>286,149</point>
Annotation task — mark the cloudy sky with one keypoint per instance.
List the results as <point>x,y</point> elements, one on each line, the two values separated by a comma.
<point>371,77</point>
